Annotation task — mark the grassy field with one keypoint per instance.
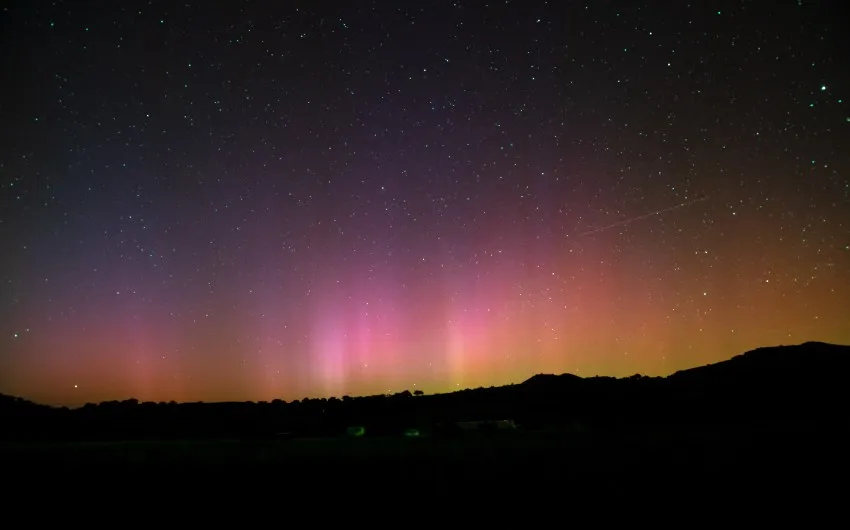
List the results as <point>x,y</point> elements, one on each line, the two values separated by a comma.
<point>735,458</point>
<point>526,475</point>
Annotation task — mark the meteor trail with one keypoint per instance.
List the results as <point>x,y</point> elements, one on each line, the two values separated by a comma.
<point>639,217</point>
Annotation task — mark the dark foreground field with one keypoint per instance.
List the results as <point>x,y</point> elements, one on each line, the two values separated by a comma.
<point>720,462</point>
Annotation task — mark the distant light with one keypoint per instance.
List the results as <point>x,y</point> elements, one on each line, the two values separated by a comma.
<point>823,88</point>
<point>75,386</point>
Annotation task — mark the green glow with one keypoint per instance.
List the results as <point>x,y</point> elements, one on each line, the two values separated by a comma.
<point>356,431</point>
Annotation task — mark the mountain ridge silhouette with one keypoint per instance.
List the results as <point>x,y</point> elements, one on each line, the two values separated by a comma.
<point>765,360</point>
<point>803,382</point>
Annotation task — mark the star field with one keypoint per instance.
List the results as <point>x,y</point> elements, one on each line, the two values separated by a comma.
<point>255,201</point>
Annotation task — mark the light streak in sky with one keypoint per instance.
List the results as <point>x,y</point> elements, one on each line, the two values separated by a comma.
<point>639,217</point>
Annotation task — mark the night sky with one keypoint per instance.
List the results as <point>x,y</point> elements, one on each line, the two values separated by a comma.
<point>260,200</point>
